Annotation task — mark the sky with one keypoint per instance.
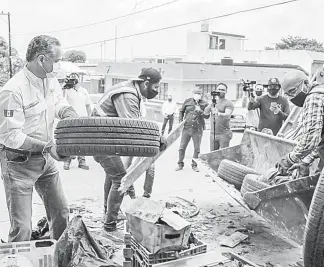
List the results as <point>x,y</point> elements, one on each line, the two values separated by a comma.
<point>262,28</point>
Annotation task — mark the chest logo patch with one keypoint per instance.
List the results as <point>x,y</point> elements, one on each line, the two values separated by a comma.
<point>8,113</point>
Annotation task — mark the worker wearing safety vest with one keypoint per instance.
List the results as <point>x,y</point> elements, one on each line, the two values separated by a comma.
<point>124,100</point>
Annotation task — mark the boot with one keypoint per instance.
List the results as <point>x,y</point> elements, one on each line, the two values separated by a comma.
<point>147,195</point>
<point>179,168</point>
<point>66,165</point>
<point>83,165</point>
<point>195,169</point>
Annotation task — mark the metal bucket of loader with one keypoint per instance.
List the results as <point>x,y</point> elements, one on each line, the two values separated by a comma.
<point>284,205</point>
<point>257,150</point>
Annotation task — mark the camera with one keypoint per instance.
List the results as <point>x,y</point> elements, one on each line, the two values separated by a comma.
<point>214,94</point>
<point>70,83</point>
<point>247,87</point>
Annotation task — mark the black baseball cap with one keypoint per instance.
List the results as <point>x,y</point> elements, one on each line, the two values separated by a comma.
<point>274,81</point>
<point>151,75</point>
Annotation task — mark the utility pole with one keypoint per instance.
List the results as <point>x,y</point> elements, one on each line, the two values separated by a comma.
<point>9,42</point>
<point>101,51</point>
<point>116,44</point>
<point>105,54</point>
<point>9,32</point>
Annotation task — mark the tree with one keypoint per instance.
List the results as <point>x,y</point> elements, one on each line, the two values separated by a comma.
<point>16,62</point>
<point>75,56</point>
<point>299,43</point>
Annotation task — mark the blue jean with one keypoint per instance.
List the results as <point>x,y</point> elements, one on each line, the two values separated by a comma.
<point>149,178</point>
<point>169,118</point>
<point>187,134</point>
<point>20,175</point>
<point>115,171</point>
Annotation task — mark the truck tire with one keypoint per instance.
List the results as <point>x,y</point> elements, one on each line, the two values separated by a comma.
<point>107,136</point>
<point>314,232</point>
<point>251,184</point>
<point>234,172</point>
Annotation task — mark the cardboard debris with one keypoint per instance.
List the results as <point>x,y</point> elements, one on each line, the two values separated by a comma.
<point>233,240</point>
<point>155,227</point>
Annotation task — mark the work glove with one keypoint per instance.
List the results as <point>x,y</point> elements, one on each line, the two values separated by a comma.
<point>163,143</point>
<point>51,148</point>
<point>302,169</point>
<point>284,165</point>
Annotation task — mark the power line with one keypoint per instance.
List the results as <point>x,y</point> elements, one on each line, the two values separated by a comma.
<point>100,22</point>
<point>4,20</point>
<point>187,23</point>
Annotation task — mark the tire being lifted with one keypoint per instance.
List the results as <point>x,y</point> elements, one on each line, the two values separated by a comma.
<point>107,136</point>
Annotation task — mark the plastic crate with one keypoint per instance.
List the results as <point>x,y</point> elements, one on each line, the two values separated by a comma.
<point>143,258</point>
<point>40,253</point>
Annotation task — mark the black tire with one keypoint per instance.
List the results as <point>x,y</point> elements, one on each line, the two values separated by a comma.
<point>107,136</point>
<point>234,172</point>
<point>314,233</point>
<point>251,184</point>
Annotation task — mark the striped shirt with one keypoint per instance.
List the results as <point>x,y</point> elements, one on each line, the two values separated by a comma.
<point>312,126</point>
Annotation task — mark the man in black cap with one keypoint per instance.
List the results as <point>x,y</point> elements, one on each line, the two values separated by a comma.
<point>274,109</point>
<point>192,112</point>
<point>123,100</point>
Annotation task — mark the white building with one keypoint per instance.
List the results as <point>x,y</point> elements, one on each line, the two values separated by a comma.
<point>209,46</point>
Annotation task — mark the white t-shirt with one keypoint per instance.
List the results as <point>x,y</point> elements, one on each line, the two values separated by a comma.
<point>78,99</point>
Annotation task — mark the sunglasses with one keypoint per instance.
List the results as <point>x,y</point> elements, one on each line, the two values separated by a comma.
<point>275,87</point>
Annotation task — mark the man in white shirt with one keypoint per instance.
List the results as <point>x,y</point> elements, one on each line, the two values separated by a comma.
<point>78,97</point>
<point>169,108</point>
<point>29,103</point>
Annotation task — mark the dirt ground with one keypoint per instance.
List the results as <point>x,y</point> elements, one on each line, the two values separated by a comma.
<point>219,215</point>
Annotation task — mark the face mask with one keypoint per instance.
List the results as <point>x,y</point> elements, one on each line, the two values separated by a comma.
<point>197,97</point>
<point>151,93</point>
<point>258,93</point>
<point>273,92</point>
<point>299,99</point>
<point>53,73</point>
<point>170,99</point>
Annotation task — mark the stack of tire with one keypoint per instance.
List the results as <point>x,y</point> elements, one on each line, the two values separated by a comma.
<point>107,136</point>
<point>234,173</point>
<point>252,184</point>
<point>242,177</point>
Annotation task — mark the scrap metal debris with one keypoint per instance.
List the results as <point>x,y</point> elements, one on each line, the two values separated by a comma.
<point>233,240</point>
<point>187,209</point>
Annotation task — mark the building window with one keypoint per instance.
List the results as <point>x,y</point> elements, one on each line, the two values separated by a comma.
<point>116,80</point>
<point>221,44</point>
<point>239,91</point>
<point>207,88</point>
<point>163,91</point>
<point>213,42</point>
